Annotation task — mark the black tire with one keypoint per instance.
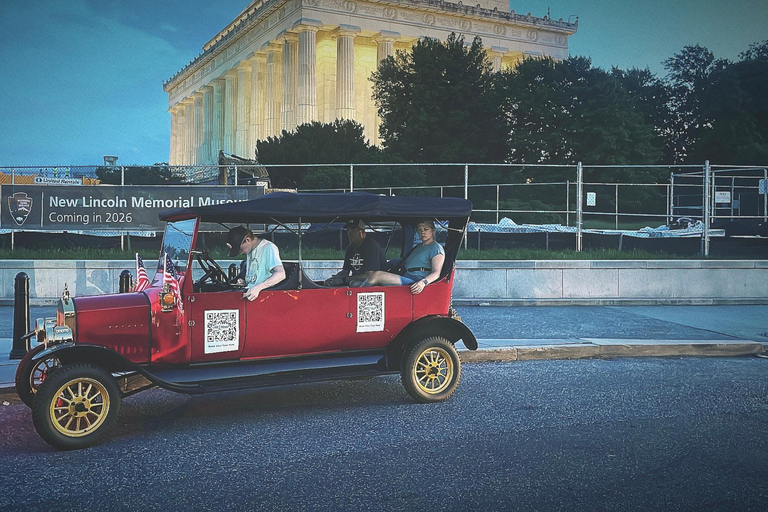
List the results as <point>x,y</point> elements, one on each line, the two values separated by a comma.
<point>29,375</point>
<point>75,406</point>
<point>431,370</point>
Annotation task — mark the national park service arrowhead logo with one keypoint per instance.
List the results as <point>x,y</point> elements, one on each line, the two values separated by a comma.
<point>20,204</point>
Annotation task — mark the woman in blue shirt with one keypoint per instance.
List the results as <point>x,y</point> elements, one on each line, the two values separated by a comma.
<point>422,265</point>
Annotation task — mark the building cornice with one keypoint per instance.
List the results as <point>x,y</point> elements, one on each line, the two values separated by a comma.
<point>259,10</point>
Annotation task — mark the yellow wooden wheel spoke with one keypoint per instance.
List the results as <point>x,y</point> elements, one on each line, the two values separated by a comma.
<point>433,370</point>
<point>84,411</point>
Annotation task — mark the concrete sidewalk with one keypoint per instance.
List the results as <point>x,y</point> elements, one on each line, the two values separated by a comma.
<point>495,350</point>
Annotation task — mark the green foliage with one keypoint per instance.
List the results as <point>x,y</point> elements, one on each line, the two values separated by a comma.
<point>158,174</point>
<point>437,103</point>
<point>734,101</point>
<point>563,112</point>
<point>340,142</point>
<point>688,71</point>
<point>720,107</point>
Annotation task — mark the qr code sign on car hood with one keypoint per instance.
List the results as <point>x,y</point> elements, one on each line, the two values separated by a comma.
<point>370,312</point>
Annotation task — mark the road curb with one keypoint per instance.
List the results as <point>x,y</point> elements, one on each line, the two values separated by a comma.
<point>613,348</point>
<point>714,301</point>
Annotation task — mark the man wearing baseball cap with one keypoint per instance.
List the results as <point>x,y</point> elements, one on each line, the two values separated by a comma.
<point>263,267</point>
<point>362,257</point>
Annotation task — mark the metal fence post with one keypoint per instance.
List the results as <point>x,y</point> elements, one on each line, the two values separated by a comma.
<point>466,181</point>
<point>122,175</point>
<point>466,196</point>
<point>351,178</point>
<point>497,204</point>
<point>671,198</point>
<point>617,205</point>
<point>705,214</point>
<point>13,231</point>
<point>579,206</point>
<point>567,203</point>
<point>235,175</point>
<point>765,197</point>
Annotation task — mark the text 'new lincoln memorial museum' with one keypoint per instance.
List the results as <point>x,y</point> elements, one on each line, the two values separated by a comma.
<point>282,63</point>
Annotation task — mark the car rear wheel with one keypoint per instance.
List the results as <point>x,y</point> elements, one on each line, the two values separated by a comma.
<point>431,370</point>
<point>30,375</point>
<point>76,406</point>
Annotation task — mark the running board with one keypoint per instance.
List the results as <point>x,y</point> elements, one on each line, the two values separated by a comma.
<point>211,377</point>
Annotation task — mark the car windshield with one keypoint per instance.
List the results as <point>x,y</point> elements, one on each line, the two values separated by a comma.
<point>177,243</point>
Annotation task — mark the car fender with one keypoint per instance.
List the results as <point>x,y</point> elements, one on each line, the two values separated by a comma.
<point>434,325</point>
<point>111,361</point>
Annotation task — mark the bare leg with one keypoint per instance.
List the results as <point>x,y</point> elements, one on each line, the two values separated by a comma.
<point>380,277</point>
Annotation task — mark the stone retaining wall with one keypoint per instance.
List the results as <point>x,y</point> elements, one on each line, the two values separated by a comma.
<point>518,282</point>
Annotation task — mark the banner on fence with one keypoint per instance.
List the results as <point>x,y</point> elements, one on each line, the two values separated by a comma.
<point>106,207</point>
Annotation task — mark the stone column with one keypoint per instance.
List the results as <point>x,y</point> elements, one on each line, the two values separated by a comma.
<point>207,158</point>
<point>495,54</point>
<point>197,130</point>
<point>243,110</point>
<point>230,110</point>
<point>174,135</point>
<point>217,133</point>
<point>272,90</point>
<point>181,138</point>
<point>306,90</point>
<point>189,129</point>
<point>345,71</point>
<point>288,106</point>
<point>385,44</point>
<point>256,130</point>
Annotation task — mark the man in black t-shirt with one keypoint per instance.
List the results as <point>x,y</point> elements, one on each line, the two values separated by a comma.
<point>362,257</point>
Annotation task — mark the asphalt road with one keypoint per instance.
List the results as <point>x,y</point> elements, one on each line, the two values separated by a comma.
<point>624,434</point>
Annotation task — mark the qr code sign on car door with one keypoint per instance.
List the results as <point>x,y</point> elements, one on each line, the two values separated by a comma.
<point>222,330</point>
<point>370,312</point>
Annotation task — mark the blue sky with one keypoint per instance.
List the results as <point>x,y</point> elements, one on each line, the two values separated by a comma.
<point>83,78</point>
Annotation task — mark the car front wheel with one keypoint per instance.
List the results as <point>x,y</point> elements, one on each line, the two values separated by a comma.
<point>76,406</point>
<point>431,370</point>
<point>30,375</point>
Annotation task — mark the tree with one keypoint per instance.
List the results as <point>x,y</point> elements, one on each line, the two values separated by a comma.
<point>437,103</point>
<point>651,98</point>
<point>734,101</point>
<point>562,112</point>
<point>157,174</point>
<point>340,142</point>
<point>688,71</point>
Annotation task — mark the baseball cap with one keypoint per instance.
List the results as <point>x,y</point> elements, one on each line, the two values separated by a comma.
<point>235,237</point>
<point>355,223</point>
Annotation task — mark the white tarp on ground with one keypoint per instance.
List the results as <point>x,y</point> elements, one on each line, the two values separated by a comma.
<point>506,225</point>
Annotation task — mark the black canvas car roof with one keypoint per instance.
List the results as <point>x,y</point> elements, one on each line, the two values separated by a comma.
<point>288,207</point>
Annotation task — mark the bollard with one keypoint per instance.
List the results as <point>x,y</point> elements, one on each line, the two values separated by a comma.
<point>233,271</point>
<point>20,316</point>
<point>126,281</point>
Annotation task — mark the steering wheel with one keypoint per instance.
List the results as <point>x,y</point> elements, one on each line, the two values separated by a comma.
<point>213,272</point>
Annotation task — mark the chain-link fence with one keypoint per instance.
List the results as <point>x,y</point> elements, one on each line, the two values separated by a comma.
<point>511,198</point>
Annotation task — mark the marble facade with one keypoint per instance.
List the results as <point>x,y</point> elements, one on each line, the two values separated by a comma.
<point>281,63</point>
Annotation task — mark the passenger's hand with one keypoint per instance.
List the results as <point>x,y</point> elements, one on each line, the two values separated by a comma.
<point>252,294</point>
<point>418,287</point>
<point>334,281</point>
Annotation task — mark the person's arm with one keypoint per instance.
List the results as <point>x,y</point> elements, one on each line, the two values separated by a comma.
<point>437,265</point>
<point>278,274</point>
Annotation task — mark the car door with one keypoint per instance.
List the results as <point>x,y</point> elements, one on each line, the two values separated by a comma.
<point>295,322</point>
<point>217,324</point>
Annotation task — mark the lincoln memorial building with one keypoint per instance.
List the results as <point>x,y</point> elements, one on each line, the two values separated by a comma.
<point>282,63</point>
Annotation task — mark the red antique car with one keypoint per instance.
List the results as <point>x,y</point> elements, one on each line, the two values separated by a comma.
<point>297,331</point>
